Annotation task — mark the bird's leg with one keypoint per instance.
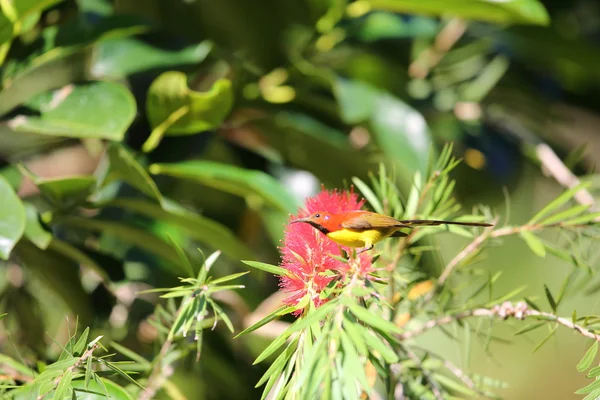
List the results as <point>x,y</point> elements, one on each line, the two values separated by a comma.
<point>367,248</point>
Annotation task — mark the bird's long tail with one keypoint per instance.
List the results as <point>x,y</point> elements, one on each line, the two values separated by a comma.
<point>433,222</point>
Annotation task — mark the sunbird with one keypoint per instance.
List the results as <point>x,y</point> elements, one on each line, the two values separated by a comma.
<point>364,228</point>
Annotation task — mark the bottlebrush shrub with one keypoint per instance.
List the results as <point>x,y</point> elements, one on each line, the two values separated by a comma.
<point>356,317</point>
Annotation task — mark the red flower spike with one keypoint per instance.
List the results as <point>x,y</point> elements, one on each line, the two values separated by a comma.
<point>306,252</point>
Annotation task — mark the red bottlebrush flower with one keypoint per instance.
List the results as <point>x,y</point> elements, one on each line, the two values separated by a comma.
<point>306,252</point>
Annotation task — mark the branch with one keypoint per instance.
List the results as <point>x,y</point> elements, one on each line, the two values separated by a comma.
<point>503,311</point>
<point>563,175</point>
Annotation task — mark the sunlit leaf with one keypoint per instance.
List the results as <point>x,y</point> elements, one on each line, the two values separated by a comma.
<point>514,11</point>
<point>588,358</point>
<point>12,219</point>
<point>534,243</point>
<point>96,110</point>
<point>272,269</point>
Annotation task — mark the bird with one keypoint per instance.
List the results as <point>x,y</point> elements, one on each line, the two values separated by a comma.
<point>363,229</point>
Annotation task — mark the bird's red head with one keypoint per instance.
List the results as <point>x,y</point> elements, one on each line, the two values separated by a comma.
<point>323,221</point>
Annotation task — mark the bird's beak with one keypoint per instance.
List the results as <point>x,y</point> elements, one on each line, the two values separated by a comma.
<point>300,220</point>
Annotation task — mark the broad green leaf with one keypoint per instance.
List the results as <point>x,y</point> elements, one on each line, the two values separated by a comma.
<point>534,243</point>
<point>58,273</point>
<point>511,11</point>
<point>300,139</point>
<point>101,110</point>
<point>66,192</point>
<point>200,228</point>
<point>272,269</point>
<point>34,231</point>
<point>56,68</point>
<point>235,180</point>
<point>12,219</point>
<point>14,14</point>
<point>135,236</point>
<point>118,58</point>
<point>400,131</point>
<point>383,25</point>
<point>73,253</point>
<point>96,391</point>
<point>588,358</point>
<point>124,166</point>
<point>174,109</point>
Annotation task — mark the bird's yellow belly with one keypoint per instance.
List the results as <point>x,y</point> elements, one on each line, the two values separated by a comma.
<point>356,238</point>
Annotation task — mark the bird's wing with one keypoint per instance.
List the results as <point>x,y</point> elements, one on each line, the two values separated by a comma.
<point>369,220</point>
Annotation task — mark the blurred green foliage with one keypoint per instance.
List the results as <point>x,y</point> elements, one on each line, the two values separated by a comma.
<point>130,125</point>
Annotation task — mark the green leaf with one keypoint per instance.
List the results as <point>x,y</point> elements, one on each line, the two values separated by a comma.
<point>63,385</point>
<point>515,11</point>
<point>371,318</point>
<point>135,236</point>
<point>101,110</point>
<point>186,265</point>
<point>400,131</point>
<point>594,372</point>
<point>81,343</point>
<point>588,358</point>
<point>369,195</point>
<point>530,327</point>
<point>178,110</point>
<point>272,269</point>
<point>117,58</point>
<point>34,231</point>
<point>235,180</point>
<point>300,324</point>
<point>65,192</point>
<point>566,214</point>
<point>95,390</point>
<point>12,219</point>
<point>558,202</point>
<point>534,243</point>
<point>228,278</point>
<point>124,166</point>
<point>589,388</point>
<point>550,298</point>
<point>375,343</point>
<point>270,317</point>
<point>198,227</point>
<point>545,339</point>
<point>294,136</point>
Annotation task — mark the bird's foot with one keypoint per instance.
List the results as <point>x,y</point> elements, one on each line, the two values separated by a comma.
<point>363,250</point>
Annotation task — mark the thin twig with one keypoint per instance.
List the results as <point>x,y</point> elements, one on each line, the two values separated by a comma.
<point>505,310</point>
<point>435,388</point>
<point>562,174</point>
<point>87,354</point>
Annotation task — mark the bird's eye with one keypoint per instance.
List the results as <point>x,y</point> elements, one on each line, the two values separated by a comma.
<point>317,215</point>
